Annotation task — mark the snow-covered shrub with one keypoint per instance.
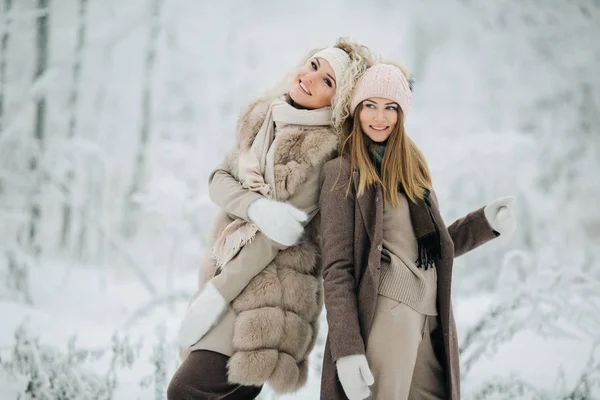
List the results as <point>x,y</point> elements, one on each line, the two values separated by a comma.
<point>537,294</point>
<point>51,373</point>
<point>160,357</point>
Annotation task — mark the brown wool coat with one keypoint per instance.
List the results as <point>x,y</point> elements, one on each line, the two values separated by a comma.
<point>275,291</point>
<point>352,235</point>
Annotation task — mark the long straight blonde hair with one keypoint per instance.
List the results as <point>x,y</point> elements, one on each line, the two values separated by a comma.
<point>403,163</point>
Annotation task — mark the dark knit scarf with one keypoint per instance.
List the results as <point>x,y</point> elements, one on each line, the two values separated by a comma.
<point>426,230</point>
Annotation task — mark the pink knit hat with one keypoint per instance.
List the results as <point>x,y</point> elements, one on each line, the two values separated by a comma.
<point>386,81</point>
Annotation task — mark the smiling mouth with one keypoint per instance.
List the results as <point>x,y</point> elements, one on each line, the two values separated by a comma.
<point>379,128</point>
<point>304,88</point>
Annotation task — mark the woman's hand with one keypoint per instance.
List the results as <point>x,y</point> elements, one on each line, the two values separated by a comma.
<point>355,376</point>
<point>204,312</point>
<point>500,215</point>
<point>279,221</point>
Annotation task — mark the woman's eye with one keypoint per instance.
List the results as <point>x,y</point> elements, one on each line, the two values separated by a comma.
<point>370,106</point>
<point>392,108</point>
<point>313,65</point>
<point>328,83</point>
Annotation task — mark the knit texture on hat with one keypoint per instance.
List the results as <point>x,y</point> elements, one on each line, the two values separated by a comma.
<point>338,59</point>
<point>385,81</point>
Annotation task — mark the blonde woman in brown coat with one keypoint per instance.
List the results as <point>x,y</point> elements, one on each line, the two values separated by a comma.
<point>254,319</point>
<point>387,256</point>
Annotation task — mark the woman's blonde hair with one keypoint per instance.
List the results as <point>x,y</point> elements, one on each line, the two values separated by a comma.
<point>361,58</point>
<point>402,164</point>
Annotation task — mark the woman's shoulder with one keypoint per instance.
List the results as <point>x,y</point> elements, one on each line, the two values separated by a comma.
<point>433,197</point>
<point>335,178</point>
<point>337,172</point>
<point>337,165</point>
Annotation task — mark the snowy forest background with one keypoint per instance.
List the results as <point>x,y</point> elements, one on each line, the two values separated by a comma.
<point>113,113</point>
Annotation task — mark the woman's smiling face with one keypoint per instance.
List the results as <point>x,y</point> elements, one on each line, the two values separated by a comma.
<point>378,118</point>
<point>314,84</point>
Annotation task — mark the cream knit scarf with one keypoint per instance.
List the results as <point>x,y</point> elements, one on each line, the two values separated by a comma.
<point>257,170</point>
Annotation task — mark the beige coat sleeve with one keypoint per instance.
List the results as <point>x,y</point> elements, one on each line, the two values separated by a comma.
<point>230,195</point>
<point>226,192</point>
<point>248,263</point>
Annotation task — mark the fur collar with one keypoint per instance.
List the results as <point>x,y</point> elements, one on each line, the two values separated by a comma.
<point>299,148</point>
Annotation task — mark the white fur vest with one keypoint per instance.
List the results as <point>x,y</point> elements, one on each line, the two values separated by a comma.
<point>277,313</point>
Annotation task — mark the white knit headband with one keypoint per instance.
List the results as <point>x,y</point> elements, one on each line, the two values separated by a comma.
<point>338,59</point>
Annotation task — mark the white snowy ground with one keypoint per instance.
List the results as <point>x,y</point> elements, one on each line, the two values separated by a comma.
<point>77,303</point>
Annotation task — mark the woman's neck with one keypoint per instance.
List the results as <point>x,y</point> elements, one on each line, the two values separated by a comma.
<point>376,152</point>
<point>291,102</point>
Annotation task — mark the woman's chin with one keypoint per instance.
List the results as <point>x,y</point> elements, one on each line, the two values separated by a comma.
<point>302,100</point>
<point>298,97</point>
<point>378,137</point>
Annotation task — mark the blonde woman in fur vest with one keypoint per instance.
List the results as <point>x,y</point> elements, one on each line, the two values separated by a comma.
<point>387,256</point>
<point>254,320</point>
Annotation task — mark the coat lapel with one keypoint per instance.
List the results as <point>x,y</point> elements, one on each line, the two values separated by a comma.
<point>371,210</point>
<point>364,203</point>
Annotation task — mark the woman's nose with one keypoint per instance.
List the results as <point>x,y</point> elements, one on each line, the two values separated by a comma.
<point>312,76</point>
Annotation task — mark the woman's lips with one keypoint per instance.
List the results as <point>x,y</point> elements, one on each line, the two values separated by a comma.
<point>304,88</point>
<point>379,128</point>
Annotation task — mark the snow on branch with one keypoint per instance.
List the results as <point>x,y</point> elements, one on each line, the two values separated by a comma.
<point>557,301</point>
<point>49,373</point>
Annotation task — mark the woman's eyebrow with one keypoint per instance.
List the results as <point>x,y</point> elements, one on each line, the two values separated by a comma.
<point>328,74</point>
<point>332,78</point>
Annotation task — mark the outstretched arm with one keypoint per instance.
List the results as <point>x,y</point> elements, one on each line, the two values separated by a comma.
<point>470,231</point>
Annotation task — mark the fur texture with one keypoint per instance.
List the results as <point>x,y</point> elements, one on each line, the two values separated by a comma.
<point>277,313</point>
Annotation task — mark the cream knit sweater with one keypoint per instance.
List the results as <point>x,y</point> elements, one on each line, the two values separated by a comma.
<point>400,279</point>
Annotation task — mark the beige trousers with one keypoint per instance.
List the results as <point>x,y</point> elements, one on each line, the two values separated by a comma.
<point>401,356</point>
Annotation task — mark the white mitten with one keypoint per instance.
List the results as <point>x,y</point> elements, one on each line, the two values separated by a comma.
<point>279,221</point>
<point>355,376</point>
<point>204,312</point>
<point>500,215</point>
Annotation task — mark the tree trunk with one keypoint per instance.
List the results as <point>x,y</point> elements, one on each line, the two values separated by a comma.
<point>3,62</point>
<point>3,58</point>
<point>39,122</point>
<point>72,128</point>
<point>131,211</point>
